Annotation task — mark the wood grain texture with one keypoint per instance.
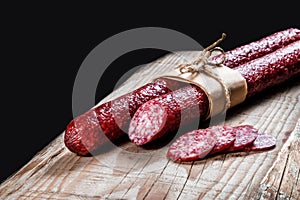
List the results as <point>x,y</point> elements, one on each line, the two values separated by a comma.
<point>131,172</point>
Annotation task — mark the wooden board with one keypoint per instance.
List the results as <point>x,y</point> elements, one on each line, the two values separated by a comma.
<point>129,172</point>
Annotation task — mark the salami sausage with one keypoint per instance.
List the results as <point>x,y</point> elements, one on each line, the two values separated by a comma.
<point>226,137</point>
<point>271,69</point>
<point>260,74</point>
<point>89,131</point>
<point>192,146</point>
<point>264,46</point>
<point>86,132</point>
<point>245,136</point>
<point>262,142</point>
<point>195,144</point>
<point>164,114</point>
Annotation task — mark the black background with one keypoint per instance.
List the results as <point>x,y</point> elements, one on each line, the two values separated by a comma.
<point>44,45</point>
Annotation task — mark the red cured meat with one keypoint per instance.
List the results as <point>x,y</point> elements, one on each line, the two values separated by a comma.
<point>260,74</point>
<point>93,128</point>
<point>89,131</point>
<point>226,137</point>
<point>245,136</point>
<point>272,69</point>
<point>195,145</point>
<point>192,146</point>
<point>259,48</point>
<point>186,103</point>
<point>159,118</point>
<point>262,142</point>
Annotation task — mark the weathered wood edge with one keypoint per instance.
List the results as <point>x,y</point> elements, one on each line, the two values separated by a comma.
<point>44,158</point>
<point>283,180</point>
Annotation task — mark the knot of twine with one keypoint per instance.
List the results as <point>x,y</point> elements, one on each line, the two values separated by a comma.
<point>204,58</point>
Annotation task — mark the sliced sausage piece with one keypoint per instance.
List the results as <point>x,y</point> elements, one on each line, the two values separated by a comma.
<point>262,142</point>
<point>197,144</point>
<point>245,136</point>
<point>192,146</point>
<point>226,136</point>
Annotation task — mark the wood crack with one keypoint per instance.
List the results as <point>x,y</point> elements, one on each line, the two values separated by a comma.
<point>281,178</point>
<point>186,180</point>
<point>150,188</point>
<point>137,176</point>
<point>296,183</point>
<point>171,184</point>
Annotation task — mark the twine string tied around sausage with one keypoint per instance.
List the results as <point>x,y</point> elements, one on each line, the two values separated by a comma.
<point>204,58</point>
<point>205,64</point>
<point>224,87</point>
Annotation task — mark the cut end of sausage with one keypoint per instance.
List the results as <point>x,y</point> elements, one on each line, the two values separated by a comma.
<point>147,123</point>
<point>192,146</point>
